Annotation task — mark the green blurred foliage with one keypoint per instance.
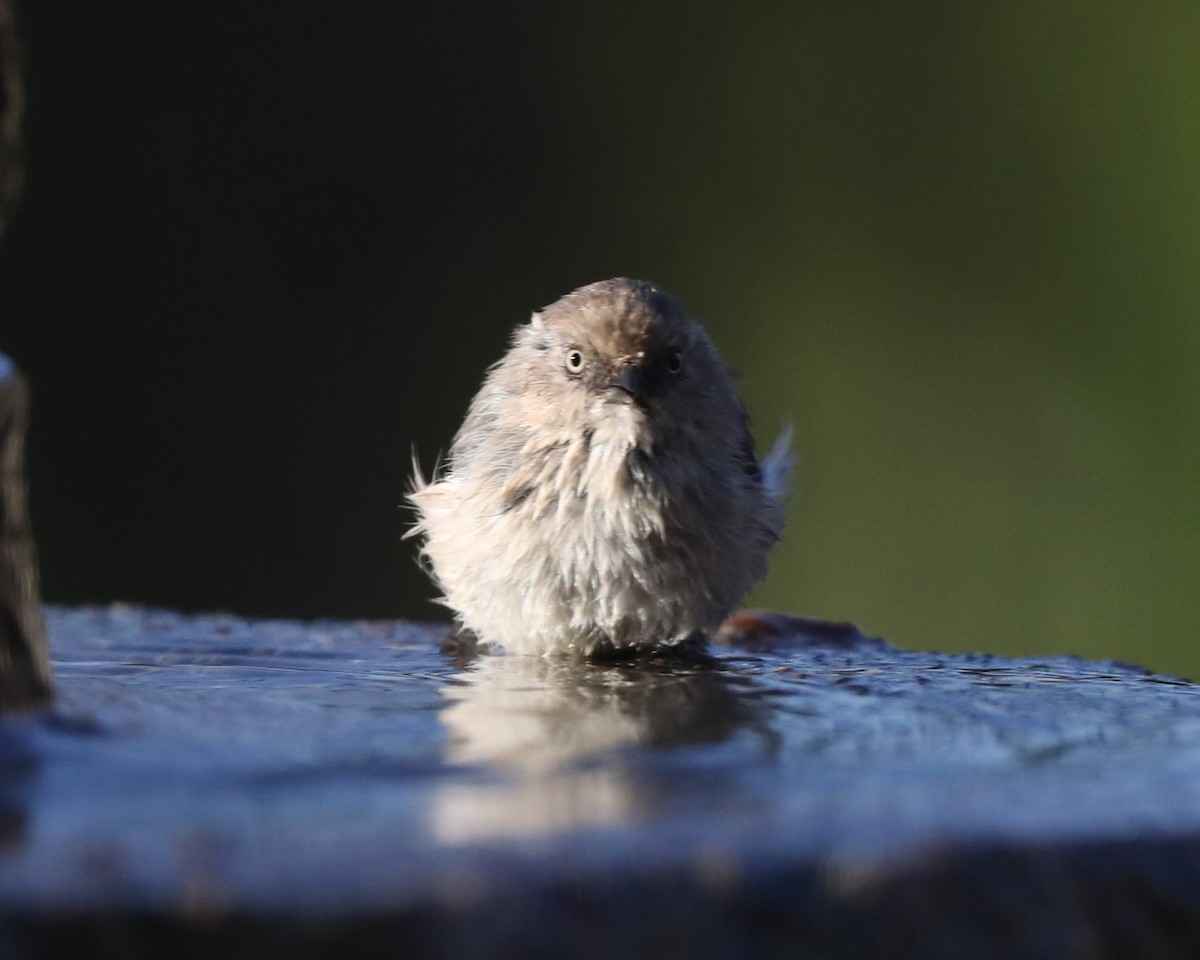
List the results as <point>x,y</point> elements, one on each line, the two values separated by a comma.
<point>994,363</point>
<point>956,245</point>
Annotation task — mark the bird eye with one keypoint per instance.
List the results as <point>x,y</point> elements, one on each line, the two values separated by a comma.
<point>674,362</point>
<point>574,361</point>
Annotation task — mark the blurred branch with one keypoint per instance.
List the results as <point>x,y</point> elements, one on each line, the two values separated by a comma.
<point>24,657</point>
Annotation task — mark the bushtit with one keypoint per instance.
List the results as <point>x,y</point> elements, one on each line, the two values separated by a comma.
<point>603,494</point>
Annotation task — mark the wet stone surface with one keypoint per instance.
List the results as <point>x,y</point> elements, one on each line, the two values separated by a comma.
<point>210,785</point>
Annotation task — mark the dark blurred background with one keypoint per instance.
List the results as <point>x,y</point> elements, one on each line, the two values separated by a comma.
<point>266,248</point>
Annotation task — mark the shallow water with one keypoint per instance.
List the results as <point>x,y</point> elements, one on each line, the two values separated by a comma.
<point>210,761</point>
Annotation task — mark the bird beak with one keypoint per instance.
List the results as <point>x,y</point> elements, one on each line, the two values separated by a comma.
<point>630,379</point>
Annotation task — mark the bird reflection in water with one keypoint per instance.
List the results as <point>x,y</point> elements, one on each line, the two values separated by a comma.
<point>565,744</point>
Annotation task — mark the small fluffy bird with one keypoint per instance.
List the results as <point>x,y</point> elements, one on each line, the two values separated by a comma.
<point>603,494</point>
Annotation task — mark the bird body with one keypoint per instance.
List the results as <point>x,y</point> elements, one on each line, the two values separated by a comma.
<point>603,493</point>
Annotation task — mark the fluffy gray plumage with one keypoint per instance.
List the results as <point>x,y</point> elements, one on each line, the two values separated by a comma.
<point>603,492</point>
